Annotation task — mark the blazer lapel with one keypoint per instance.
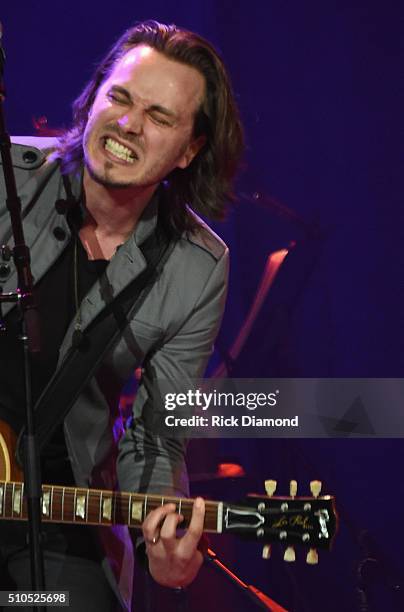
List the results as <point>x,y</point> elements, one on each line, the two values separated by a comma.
<point>126,265</point>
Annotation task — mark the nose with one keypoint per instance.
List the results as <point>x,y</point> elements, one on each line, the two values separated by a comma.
<point>131,122</point>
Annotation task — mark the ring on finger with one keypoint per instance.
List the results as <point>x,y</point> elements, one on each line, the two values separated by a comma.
<point>154,540</point>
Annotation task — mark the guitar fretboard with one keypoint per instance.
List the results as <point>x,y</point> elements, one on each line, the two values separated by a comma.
<point>98,507</point>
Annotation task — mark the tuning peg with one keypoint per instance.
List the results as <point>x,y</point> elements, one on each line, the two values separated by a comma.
<point>289,555</point>
<point>270,487</point>
<point>266,551</point>
<point>312,557</point>
<point>315,487</point>
<point>293,488</point>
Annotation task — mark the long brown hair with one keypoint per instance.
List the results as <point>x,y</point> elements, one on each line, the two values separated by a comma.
<point>206,184</point>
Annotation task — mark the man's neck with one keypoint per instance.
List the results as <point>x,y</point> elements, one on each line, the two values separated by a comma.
<point>115,211</point>
<point>111,216</point>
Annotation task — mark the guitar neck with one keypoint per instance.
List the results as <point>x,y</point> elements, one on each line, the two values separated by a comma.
<point>99,507</point>
<point>299,521</point>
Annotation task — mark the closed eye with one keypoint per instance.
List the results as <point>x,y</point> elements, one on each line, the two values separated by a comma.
<point>119,99</point>
<point>160,120</point>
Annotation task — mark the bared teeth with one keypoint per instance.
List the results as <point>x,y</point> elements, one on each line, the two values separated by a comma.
<point>119,150</point>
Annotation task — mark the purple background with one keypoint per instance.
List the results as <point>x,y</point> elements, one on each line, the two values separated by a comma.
<point>320,88</point>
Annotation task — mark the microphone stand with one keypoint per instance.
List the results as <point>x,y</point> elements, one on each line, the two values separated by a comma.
<point>29,337</point>
<point>257,596</point>
<point>279,209</point>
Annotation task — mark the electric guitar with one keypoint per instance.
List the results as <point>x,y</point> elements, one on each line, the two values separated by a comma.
<point>310,522</point>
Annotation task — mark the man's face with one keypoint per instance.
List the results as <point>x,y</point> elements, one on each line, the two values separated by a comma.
<point>141,123</point>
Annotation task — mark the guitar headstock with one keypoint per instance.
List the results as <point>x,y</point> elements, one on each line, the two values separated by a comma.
<point>309,521</point>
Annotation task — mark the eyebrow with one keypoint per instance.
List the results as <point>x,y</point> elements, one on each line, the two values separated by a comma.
<point>154,107</point>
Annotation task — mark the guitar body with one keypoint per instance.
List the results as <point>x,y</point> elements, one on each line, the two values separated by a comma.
<point>8,442</point>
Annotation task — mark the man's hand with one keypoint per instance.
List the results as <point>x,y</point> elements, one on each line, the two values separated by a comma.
<point>174,562</point>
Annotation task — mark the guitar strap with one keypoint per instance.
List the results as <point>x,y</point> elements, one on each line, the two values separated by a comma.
<point>83,358</point>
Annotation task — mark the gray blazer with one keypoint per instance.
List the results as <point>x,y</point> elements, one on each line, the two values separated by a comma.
<point>170,336</point>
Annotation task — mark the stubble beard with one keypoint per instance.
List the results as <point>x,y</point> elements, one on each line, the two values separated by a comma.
<point>105,179</point>
<point>145,182</point>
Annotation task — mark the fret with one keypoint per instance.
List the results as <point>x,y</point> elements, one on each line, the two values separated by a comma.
<point>22,499</point>
<point>74,504</point>
<point>63,502</point>
<point>145,506</point>
<point>179,506</point>
<point>100,508</point>
<point>129,508</point>
<point>114,507</point>
<point>162,501</point>
<point>88,492</point>
<point>51,502</point>
<point>13,500</point>
<point>5,497</point>
<point>1,498</point>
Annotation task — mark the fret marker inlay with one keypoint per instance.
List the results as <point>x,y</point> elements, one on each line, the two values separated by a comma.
<point>107,508</point>
<point>45,503</point>
<point>136,512</point>
<point>17,501</point>
<point>81,506</point>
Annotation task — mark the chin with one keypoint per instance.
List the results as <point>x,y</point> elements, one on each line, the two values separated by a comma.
<point>102,178</point>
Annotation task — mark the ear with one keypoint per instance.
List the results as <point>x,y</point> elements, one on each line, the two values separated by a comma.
<point>192,150</point>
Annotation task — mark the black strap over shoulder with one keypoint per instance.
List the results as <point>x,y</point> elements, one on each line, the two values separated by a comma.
<point>83,360</point>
